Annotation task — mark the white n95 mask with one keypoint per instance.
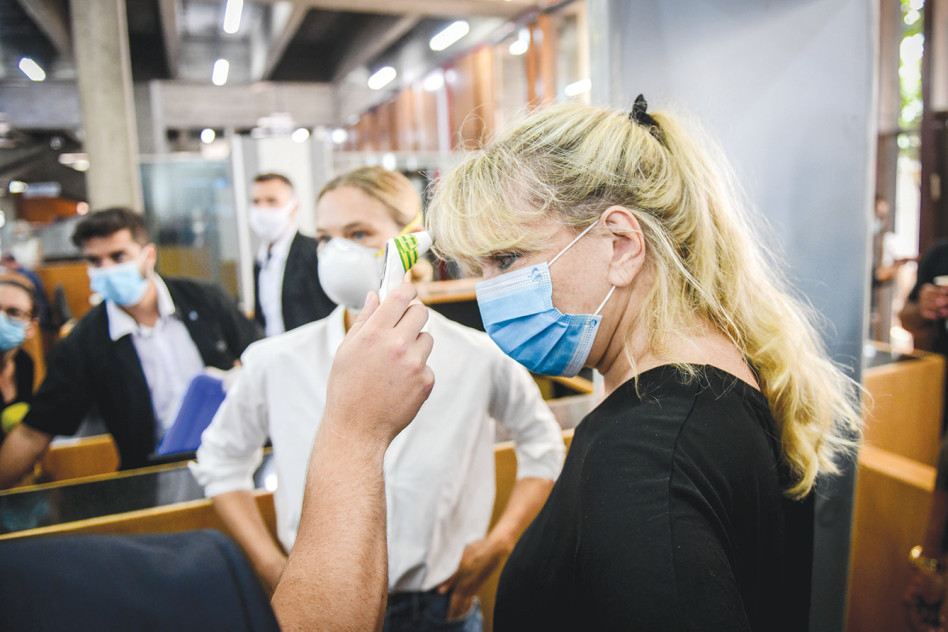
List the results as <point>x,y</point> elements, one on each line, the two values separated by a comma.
<point>270,223</point>
<point>348,271</point>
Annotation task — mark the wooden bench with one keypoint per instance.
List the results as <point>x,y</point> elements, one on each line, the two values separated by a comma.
<point>894,482</point>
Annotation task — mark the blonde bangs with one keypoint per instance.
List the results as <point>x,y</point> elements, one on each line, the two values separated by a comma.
<point>477,211</point>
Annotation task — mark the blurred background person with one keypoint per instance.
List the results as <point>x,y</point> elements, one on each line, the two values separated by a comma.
<point>287,292</point>
<point>18,322</point>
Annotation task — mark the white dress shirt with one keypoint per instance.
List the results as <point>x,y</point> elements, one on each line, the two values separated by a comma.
<point>272,261</point>
<point>168,355</point>
<point>439,472</point>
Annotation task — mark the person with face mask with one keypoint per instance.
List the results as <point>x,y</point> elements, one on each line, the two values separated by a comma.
<point>439,472</point>
<point>132,356</point>
<point>287,291</point>
<point>615,240</point>
<point>18,322</point>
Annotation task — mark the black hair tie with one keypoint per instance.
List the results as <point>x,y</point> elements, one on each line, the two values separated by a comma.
<point>640,115</point>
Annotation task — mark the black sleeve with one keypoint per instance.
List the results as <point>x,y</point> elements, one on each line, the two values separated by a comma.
<point>66,395</point>
<point>649,560</point>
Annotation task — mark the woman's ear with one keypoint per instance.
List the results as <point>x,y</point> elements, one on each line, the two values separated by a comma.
<point>628,245</point>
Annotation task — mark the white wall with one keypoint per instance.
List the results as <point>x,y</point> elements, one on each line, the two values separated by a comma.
<point>787,87</point>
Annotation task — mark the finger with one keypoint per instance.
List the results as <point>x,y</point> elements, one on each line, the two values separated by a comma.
<point>412,321</point>
<point>447,584</point>
<point>371,304</point>
<point>391,310</point>
<point>423,345</point>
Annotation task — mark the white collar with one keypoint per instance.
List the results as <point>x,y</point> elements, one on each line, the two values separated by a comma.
<point>122,324</point>
<point>280,248</point>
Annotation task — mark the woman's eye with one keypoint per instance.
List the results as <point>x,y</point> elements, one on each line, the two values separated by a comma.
<point>505,259</point>
<point>322,239</point>
<point>358,235</point>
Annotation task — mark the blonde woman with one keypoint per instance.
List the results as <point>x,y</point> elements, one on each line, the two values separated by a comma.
<point>613,240</point>
<point>439,472</point>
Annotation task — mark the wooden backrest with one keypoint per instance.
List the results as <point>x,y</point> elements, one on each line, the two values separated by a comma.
<point>505,466</point>
<point>75,458</point>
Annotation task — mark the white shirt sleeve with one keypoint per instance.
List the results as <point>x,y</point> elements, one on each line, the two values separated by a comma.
<point>232,445</point>
<point>516,403</point>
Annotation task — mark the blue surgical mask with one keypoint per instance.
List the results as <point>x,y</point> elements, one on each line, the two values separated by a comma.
<point>518,314</point>
<point>121,283</point>
<point>12,332</point>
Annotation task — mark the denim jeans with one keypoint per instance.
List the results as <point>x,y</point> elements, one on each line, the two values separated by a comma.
<point>425,612</point>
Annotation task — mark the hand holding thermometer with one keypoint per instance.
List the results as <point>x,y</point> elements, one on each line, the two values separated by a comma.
<point>401,253</point>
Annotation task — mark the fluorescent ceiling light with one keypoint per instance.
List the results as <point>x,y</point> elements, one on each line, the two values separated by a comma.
<point>382,77</point>
<point>17,186</point>
<point>454,32</point>
<point>232,15</point>
<point>208,135</point>
<point>339,136</point>
<point>521,44</point>
<point>31,69</point>
<point>219,75</point>
<point>433,82</point>
<point>300,135</point>
<point>577,87</point>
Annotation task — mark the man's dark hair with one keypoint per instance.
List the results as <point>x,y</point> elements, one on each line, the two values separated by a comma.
<point>108,222</point>
<point>267,177</point>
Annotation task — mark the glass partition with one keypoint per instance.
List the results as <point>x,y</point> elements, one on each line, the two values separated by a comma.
<point>189,208</point>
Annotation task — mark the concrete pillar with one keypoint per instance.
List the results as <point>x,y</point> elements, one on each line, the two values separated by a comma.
<point>787,88</point>
<point>100,37</point>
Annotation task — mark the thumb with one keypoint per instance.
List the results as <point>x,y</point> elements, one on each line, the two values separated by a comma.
<point>371,304</point>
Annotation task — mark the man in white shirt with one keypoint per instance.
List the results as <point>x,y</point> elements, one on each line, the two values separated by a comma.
<point>132,356</point>
<point>439,472</point>
<point>287,292</point>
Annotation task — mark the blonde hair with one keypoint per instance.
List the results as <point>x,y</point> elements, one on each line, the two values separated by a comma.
<point>574,161</point>
<point>393,190</point>
<point>390,188</point>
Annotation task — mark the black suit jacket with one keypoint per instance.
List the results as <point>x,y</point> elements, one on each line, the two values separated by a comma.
<point>88,369</point>
<point>193,580</point>
<point>303,298</point>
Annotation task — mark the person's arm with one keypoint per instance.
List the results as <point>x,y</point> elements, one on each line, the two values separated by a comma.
<point>516,403</point>
<point>336,576</point>
<point>483,557</point>
<point>241,515</point>
<point>921,316</point>
<point>19,452</point>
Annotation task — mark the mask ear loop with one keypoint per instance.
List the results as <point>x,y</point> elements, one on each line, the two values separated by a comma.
<point>570,244</point>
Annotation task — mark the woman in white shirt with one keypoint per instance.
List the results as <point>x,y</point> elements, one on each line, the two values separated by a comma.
<point>439,472</point>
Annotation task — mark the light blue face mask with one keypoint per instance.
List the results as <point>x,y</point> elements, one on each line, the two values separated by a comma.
<point>518,314</point>
<point>12,332</point>
<point>121,283</point>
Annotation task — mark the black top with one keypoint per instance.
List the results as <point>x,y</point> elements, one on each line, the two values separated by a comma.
<point>668,515</point>
<point>23,378</point>
<point>933,264</point>
<point>302,298</point>
<point>88,369</point>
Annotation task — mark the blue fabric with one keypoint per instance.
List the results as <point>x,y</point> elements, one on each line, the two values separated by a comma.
<point>201,400</point>
<point>518,314</point>
<point>192,580</point>
<point>121,283</point>
<point>12,332</point>
<point>425,612</point>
